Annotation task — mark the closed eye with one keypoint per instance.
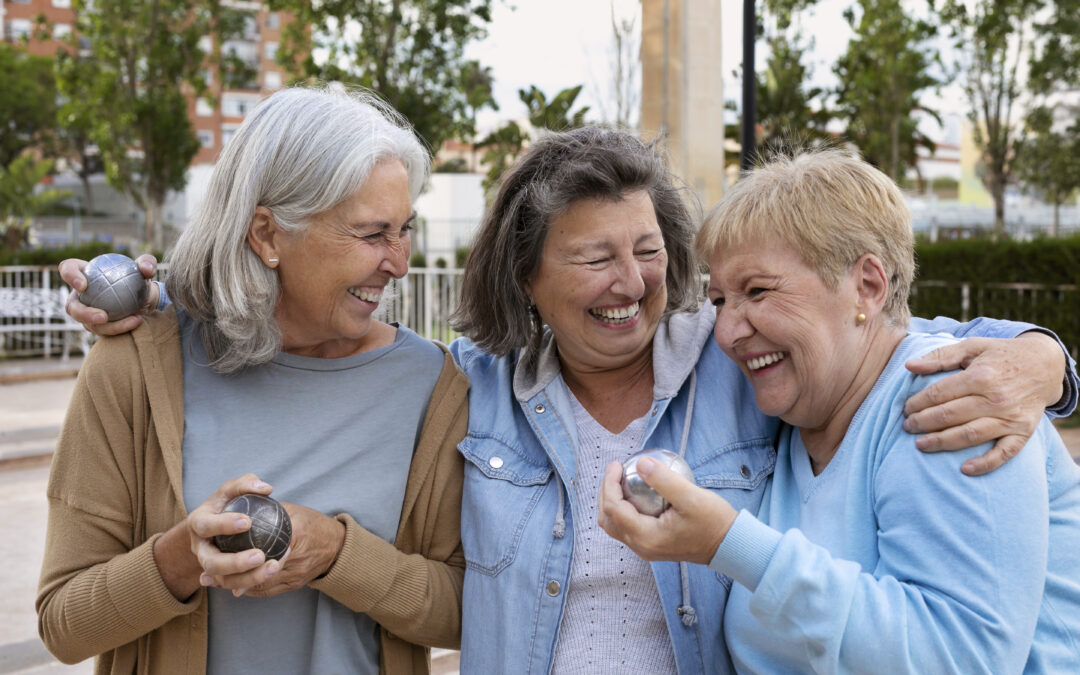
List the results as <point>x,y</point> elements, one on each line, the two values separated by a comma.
<point>718,302</point>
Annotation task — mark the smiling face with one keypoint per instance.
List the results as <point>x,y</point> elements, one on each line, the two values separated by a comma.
<point>333,273</point>
<point>793,337</point>
<point>600,284</point>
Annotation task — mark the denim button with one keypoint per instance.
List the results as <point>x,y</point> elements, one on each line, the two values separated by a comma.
<point>495,462</point>
<point>540,408</point>
<point>745,471</point>
<point>553,588</point>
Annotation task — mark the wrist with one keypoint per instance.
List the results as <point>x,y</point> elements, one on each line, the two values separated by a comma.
<point>1054,387</point>
<point>177,565</point>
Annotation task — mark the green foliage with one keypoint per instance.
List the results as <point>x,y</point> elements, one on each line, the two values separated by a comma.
<point>51,257</point>
<point>461,253</point>
<point>411,52</point>
<point>1055,62</point>
<point>18,201</point>
<point>992,36</point>
<point>502,146</point>
<point>883,75</point>
<point>418,259</point>
<point>789,113</point>
<point>130,95</point>
<point>556,114</point>
<point>455,165</point>
<point>1050,161</point>
<point>1052,261</point>
<point>440,263</point>
<point>27,102</point>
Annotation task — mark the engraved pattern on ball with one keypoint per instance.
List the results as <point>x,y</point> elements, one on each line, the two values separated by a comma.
<point>114,284</point>
<point>645,499</point>
<point>270,530</point>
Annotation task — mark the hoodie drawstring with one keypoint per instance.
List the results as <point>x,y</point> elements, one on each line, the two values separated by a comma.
<point>560,517</point>
<point>686,610</point>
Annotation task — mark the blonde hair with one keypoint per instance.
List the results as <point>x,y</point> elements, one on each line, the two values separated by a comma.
<point>301,152</point>
<point>830,206</point>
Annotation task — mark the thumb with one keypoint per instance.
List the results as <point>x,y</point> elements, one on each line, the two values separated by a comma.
<point>670,485</point>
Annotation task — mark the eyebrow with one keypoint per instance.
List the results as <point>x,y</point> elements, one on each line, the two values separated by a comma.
<point>604,247</point>
<point>383,225</point>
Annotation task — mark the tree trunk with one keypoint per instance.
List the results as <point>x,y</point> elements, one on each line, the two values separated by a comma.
<point>999,212</point>
<point>1056,222</point>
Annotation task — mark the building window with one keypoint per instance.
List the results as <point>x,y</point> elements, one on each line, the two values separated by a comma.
<point>62,4</point>
<point>203,108</point>
<point>272,21</point>
<point>226,135</point>
<point>270,50</point>
<point>206,137</point>
<point>19,28</point>
<point>61,31</point>
<point>237,105</point>
<point>272,80</point>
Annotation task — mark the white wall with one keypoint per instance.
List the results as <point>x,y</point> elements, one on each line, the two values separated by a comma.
<point>451,207</point>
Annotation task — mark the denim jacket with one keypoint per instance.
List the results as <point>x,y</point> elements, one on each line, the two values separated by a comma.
<point>518,503</point>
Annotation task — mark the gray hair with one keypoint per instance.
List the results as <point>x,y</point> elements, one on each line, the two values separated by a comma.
<point>557,171</point>
<point>301,152</point>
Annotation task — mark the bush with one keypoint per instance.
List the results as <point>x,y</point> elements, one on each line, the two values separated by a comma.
<point>418,259</point>
<point>51,257</point>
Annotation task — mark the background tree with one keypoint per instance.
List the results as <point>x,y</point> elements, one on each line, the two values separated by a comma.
<point>411,52</point>
<point>476,81</point>
<point>132,92</point>
<point>504,144</point>
<point>788,111</point>
<point>992,37</point>
<point>883,75</point>
<point>27,102</point>
<point>19,202</point>
<point>1049,162</point>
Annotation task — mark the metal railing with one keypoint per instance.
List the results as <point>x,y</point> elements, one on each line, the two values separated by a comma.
<point>426,297</point>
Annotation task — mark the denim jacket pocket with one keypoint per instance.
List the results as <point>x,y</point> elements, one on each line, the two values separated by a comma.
<point>502,487</point>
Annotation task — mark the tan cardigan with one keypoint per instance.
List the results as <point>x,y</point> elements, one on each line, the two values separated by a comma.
<point>115,487</point>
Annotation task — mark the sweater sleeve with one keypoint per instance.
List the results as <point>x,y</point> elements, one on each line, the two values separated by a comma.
<point>997,328</point>
<point>958,583</point>
<point>414,593</point>
<point>99,587</point>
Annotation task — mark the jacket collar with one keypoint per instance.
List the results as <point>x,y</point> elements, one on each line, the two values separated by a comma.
<point>677,336</point>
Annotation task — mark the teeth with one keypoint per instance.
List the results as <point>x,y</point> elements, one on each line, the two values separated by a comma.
<point>762,361</point>
<point>366,294</point>
<point>616,314</point>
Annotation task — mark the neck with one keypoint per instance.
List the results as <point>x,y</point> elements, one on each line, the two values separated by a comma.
<point>613,397</point>
<point>822,441</point>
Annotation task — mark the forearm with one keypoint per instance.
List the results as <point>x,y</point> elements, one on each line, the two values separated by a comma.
<point>413,597</point>
<point>95,596</point>
<point>178,566</point>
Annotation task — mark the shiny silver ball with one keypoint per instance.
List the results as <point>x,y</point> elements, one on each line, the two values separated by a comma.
<point>645,499</point>
<point>114,284</point>
<point>271,528</point>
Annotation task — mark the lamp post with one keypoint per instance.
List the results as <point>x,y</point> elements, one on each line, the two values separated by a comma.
<point>749,86</point>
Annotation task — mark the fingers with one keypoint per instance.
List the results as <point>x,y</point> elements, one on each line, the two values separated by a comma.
<point>972,382</point>
<point>71,272</point>
<point>230,489</point>
<point>946,358</point>
<point>668,484</point>
<point>147,265</point>
<point>970,434</point>
<point>1005,449</point>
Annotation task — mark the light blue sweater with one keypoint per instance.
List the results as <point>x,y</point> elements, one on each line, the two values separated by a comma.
<point>892,560</point>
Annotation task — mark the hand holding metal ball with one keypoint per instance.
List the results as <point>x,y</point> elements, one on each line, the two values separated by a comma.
<point>645,499</point>
<point>114,284</point>
<point>271,528</point>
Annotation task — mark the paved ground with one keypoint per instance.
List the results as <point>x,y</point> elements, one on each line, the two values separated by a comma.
<point>33,398</point>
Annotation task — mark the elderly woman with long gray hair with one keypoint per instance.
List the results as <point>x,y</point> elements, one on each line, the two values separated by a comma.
<point>269,369</point>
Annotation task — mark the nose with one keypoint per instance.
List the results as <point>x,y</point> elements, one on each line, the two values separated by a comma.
<point>395,261</point>
<point>629,279</point>
<point>731,326</point>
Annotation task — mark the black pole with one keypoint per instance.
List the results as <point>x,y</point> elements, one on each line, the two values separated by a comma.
<point>749,85</point>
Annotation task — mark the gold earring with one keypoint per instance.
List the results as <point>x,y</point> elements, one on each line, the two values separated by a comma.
<point>860,319</point>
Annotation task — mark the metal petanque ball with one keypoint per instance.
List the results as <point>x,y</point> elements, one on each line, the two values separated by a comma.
<point>114,284</point>
<point>270,530</point>
<point>645,499</point>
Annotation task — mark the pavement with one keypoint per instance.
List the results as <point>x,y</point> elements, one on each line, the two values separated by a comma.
<point>34,395</point>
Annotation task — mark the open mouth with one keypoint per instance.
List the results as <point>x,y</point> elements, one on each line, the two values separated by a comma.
<point>366,294</point>
<point>616,315</point>
<point>759,362</point>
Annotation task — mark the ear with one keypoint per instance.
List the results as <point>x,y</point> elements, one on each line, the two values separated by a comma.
<point>264,237</point>
<point>871,284</point>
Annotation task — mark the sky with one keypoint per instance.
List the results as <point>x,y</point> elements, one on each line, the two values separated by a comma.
<point>561,43</point>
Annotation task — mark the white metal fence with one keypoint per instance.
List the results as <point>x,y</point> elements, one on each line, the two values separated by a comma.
<point>33,323</point>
